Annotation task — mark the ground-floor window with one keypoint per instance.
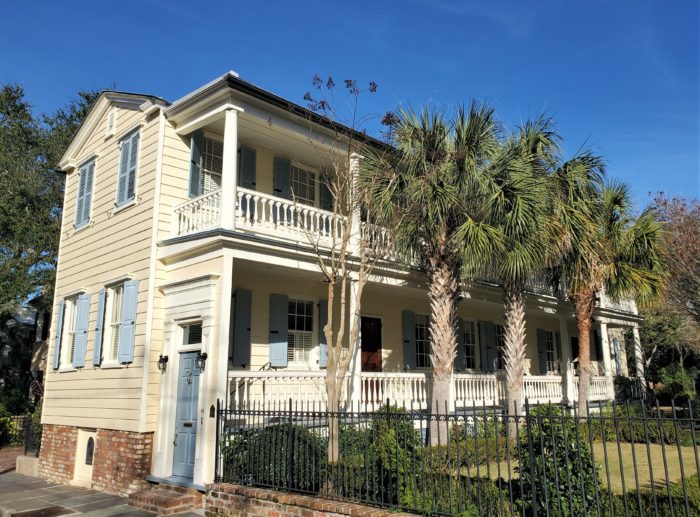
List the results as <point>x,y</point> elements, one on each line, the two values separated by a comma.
<point>469,339</point>
<point>422,341</point>
<point>113,319</point>
<point>300,317</point>
<point>70,315</point>
<point>552,361</point>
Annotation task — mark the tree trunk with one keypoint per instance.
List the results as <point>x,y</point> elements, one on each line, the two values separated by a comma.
<point>333,394</point>
<point>583,309</point>
<point>514,351</point>
<point>443,295</point>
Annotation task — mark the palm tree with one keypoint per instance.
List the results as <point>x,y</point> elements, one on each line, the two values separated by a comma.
<point>427,188</point>
<point>518,206</point>
<point>601,247</point>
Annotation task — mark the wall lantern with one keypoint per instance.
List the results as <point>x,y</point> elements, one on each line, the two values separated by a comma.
<point>162,362</point>
<point>201,359</point>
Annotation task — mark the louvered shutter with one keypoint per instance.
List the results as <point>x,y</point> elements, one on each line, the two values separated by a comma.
<point>122,179</point>
<point>279,328</point>
<point>99,328</point>
<point>81,330</point>
<point>282,178</point>
<point>80,201</point>
<point>133,162</point>
<point>542,350</point>
<point>241,328</point>
<point>87,192</point>
<point>408,325</point>
<point>196,162</point>
<point>460,361</point>
<point>246,174</point>
<point>322,341</point>
<point>127,330</point>
<point>59,332</point>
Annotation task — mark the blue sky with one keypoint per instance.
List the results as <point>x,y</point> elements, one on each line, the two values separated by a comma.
<point>618,76</point>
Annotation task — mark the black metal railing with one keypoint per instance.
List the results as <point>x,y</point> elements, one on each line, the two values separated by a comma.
<point>631,459</point>
<point>12,430</point>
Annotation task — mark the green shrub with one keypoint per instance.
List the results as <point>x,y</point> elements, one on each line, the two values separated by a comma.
<point>676,384</point>
<point>555,464</point>
<point>282,455</point>
<point>662,506</point>
<point>637,426</point>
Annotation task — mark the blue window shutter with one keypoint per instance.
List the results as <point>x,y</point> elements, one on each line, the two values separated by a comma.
<point>57,338</point>
<point>123,171</point>
<point>241,328</point>
<point>487,346</point>
<point>133,162</point>
<point>99,328</point>
<point>322,341</point>
<point>127,332</point>
<point>408,325</point>
<point>246,173</point>
<point>81,330</point>
<point>196,162</point>
<point>542,349</point>
<point>80,200</point>
<point>325,194</point>
<point>87,192</point>
<point>461,355</point>
<point>282,178</point>
<point>279,328</point>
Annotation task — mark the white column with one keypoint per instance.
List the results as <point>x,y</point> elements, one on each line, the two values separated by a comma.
<point>355,370</point>
<point>567,364</point>
<point>605,345</point>
<point>638,357</point>
<point>229,176</point>
<point>356,209</point>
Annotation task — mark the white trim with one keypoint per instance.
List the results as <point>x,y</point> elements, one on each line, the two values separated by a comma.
<point>120,208</point>
<point>211,83</point>
<point>206,118</point>
<point>73,293</point>
<point>118,280</point>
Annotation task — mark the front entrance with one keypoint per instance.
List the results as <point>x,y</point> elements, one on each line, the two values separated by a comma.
<point>186,416</point>
<point>371,344</point>
<point>84,455</point>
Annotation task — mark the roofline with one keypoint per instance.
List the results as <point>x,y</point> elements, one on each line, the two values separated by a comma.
<point>231,80</point>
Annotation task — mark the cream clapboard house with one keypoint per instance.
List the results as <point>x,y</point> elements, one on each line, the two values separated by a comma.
<point>186,276</point>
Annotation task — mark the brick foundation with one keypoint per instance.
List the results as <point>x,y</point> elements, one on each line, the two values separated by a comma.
<point>57,454</point>
<point>224,499</point>
<point>121,462</point>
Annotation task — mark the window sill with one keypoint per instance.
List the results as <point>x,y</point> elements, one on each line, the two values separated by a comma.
<point>129,204</point>
<point>67,369</point>
<point>111,366</point>
<point>87,225</point>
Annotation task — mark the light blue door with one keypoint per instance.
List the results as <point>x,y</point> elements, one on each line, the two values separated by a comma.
<point>186,416</point>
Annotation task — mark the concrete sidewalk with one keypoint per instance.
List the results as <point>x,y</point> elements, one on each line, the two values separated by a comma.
<point>23,496</point>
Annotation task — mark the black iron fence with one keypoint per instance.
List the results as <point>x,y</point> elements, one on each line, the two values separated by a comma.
<point>631,459</point>
<point>20,431</point>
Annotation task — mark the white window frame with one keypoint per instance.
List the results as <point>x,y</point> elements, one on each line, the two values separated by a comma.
<point>295,165</point>
<point>422,322</point>
<point>551,350</point>
<point>474,345</point>
<point>307,362</point>
<point>208,172</point>
<point>110,328</point>
<point>70,321</point>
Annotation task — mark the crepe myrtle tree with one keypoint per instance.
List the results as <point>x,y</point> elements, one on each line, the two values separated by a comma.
<point>428,187</point>
<point>346,255</point>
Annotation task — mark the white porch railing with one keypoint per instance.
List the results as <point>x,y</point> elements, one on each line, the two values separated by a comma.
<point>477,389</point>
<point>197,214</point>
<point>273,390</point>
<point>410,390</point>
<point>540,389</point>
<point>284,218</point>
<point>601,388</point>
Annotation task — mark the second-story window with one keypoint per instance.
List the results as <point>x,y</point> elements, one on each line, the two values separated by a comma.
<point>303,186</point>
<point>83,203</point>
<point>128,162</point>
<point>212,165</point>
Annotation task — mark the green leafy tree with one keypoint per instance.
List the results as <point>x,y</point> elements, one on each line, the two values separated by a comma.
<point>31,194</point>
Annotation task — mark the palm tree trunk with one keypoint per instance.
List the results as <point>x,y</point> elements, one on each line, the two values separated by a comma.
<point>583,309</point>
<point>443,295</point>
<point>514,351</point>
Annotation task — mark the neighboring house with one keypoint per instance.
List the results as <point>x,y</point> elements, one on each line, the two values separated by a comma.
<point>181,241</point>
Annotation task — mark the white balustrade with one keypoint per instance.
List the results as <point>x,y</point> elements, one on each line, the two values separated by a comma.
<point>477,389</point>
<point>198,214</point>
<point>273,390</point>
<point>541,389</point>
<point>409,390</point>
<point>284,218</point>
<point>600,388</point>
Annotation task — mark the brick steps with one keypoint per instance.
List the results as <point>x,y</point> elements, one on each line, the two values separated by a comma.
<point>166,499</point>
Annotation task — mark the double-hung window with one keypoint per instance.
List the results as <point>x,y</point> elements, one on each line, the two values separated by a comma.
<point>212,165</point>
<point>112,322</point>
<point>422,341</point>
<point>469,339</point>
<point>128,163</point>
<point>303,183</point>
<point>70,317</point>
<point>300,324</point>
<point>86,176</point>
<point>552,362</point>
<point>500,346</point>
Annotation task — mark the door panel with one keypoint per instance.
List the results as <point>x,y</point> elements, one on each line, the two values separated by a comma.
<point>186,422</point>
